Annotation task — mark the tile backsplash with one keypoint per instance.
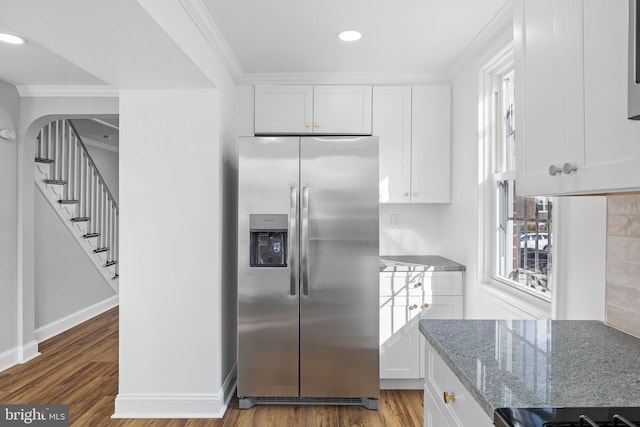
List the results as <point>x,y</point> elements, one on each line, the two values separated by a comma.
<point>623,263</point>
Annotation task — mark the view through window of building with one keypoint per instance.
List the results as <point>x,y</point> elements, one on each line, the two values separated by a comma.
<point>524,233</point>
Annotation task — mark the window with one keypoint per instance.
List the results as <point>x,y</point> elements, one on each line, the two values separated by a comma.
<point>520,236</point>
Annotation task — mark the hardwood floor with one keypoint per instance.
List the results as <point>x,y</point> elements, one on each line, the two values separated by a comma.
<point>80,368</point>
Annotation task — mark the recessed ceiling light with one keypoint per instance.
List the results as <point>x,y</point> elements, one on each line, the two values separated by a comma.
<point>11,39</point>
<point>350,35</point>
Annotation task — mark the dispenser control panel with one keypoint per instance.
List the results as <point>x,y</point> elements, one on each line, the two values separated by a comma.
<point>268,246</point>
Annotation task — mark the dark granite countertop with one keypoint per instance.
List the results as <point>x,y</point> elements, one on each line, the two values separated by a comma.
<point>418,263</point>
<point>539,363</point>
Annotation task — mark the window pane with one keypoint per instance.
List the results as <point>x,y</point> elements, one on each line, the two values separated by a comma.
<point>524,238</point>
<point>506,148</point>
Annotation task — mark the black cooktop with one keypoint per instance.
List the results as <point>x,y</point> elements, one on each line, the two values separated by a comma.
<point>567,417</point>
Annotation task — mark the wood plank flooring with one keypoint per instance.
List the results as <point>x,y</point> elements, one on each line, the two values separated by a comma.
<point>80,368</point>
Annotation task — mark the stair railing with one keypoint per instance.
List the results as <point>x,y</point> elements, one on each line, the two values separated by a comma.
<point>71,165</point>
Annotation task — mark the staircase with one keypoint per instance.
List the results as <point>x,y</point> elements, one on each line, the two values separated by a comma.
<point>69,179</point>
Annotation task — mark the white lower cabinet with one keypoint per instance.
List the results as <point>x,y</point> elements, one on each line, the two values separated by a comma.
<point>446,401</point>
<point>405,298</point>
<point>433,416</point>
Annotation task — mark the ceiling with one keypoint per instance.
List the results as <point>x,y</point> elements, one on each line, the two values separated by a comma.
<point>103,130</point>
<point>299,36</point>
<point>32,64</point>
<point>266,37</point>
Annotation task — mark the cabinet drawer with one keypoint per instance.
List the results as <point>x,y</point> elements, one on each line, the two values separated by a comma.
<point>404,283</point>
<point>427,283</point>
<point>443,283</point>
<point>440,379</point>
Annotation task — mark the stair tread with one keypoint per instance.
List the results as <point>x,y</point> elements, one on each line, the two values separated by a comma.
<point>68,202</point>
<point>88,235</point>
<point>110,263</point>
<point>81,219</point>
<point>55,181</point>
<point>115,276</point>
<point>98,250</point>
<point>43,160</point>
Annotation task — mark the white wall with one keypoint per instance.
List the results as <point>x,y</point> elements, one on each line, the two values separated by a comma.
<point>107,162</point>
<point>9,114</point>
<point>580,250</point>
<point>418,231</point>
<point>580,266</point>
<point>66,281</point>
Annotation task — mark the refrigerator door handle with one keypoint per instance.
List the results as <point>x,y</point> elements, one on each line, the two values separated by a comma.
<point>304,241</point>
<point>293,240</point>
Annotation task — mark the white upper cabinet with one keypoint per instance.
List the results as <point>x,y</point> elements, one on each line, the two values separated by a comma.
<point>306,109</point>
<point>431,144</point>
<point>392,123</point>
<point>283,109</point>
<point>413,123</point>
<point>342,110</point>
<point>572,131</point>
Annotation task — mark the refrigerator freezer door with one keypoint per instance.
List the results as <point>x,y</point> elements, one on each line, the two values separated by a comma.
<point>268,297</point>
<point>339,299</point>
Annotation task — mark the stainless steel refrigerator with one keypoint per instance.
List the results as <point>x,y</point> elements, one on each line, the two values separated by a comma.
<point>308,268</point>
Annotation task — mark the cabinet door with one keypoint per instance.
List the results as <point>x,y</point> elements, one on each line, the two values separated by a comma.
<point>464,410</point>
<point>392,123</point>
<point>433,415</point>
<point>399,337</point>
<point>283,109</point>
<point>431,144</point>
<point>342,110</point>
<point>549,97</point>
<point>612,141</point>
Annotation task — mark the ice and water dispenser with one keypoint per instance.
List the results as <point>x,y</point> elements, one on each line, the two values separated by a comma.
<point>268,246</point>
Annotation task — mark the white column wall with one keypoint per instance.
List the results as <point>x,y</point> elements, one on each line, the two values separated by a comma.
<point>9,115</point>
<point>170,265</point>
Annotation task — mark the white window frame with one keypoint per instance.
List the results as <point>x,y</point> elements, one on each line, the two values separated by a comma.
<point>529,304</point>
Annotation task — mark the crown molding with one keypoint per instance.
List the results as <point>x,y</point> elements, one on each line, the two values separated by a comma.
<point>498,25</point>
<point>70,91</point>
<point>386,77</point>
<point>201,17</point>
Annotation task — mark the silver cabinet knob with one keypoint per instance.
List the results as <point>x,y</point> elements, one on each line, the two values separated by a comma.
<point>568,168</point>
<point>554,170</point>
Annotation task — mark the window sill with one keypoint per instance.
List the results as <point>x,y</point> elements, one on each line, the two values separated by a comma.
<point>529,305</point>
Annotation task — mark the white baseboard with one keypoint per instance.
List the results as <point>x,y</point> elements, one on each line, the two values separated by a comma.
<point>177,406</point>
<point>8,359</point>
<point>401,384</point>
<point>54,328</point>
<point>29,351</point>
<point>18,355</point>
